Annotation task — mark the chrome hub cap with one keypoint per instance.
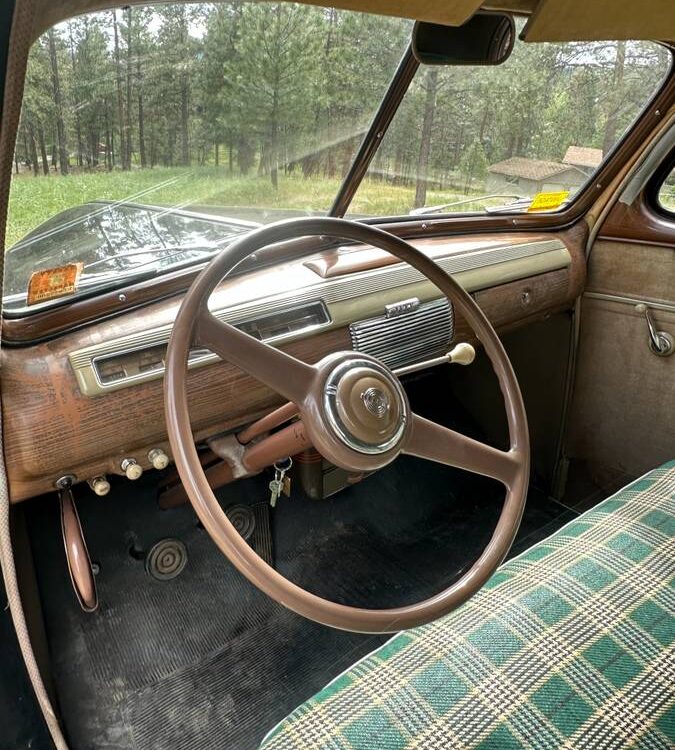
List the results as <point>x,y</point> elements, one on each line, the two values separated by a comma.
<point>365,406</point>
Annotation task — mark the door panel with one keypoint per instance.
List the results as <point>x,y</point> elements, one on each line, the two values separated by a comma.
<point>623,411</point>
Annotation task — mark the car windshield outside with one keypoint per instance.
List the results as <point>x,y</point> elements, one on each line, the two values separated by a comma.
<point>152,136</point>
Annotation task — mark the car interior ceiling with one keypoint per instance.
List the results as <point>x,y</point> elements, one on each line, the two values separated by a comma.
<point>202,658</point>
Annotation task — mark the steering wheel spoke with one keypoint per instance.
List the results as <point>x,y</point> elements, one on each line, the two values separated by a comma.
<point>434,442</point>
<point>282,372</point>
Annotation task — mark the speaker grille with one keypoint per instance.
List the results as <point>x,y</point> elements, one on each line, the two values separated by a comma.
<point>406,338</point>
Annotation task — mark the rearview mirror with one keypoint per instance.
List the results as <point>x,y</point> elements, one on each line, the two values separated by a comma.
<point>485,39</point>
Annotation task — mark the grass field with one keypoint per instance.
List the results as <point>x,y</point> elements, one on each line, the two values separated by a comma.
<point>36,199</point>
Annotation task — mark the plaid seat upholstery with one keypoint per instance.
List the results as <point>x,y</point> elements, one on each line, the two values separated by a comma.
<point>569,645</point>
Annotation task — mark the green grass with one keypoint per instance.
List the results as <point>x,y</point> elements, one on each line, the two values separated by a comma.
<point>36,199</point>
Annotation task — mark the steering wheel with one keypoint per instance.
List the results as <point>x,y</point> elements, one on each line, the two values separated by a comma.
<point>355,413</point>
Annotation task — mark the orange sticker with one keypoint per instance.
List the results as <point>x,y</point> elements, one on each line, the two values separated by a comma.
<point>51,283</point>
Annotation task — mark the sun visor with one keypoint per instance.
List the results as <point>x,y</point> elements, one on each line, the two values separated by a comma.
<point>581,20</point>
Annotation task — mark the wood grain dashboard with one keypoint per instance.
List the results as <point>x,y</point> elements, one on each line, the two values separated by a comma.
<point>52,427</point>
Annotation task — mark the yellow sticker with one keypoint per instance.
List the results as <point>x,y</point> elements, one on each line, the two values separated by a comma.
<point>548,201</point>
<point>51,283</point>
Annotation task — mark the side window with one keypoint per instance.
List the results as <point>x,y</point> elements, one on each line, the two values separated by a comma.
<point>666,196</point>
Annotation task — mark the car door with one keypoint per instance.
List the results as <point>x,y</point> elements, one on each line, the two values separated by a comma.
<point>623,411</point>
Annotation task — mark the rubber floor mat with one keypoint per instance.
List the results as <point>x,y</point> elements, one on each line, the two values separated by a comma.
<point>262,533</point>
<point>205,660</point>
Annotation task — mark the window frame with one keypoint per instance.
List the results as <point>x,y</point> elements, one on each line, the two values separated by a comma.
<point>656,182</point>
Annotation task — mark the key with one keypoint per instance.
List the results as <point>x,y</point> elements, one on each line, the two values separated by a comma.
<point>275,490</point>
<point>281,483</point>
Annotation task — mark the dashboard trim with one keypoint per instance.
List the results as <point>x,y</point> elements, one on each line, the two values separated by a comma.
<point>347,298</point>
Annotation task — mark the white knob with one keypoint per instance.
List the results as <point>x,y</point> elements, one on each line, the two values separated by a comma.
<point>462,354</point>
<point>131,468</point>
<point>100,486</point>
<point>158,459</point>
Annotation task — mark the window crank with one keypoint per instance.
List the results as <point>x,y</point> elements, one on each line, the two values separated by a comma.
<point>660,342</point>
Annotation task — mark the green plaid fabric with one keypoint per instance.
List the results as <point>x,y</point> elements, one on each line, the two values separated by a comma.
<point>569,645</point>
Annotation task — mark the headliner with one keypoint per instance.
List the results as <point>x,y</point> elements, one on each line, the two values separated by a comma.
<point>549,20</point>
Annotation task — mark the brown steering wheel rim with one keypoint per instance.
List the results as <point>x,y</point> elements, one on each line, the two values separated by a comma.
<point>301,383</point>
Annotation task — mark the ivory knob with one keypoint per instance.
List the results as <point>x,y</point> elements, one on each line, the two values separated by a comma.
<point>158,459</point>
<point>131,468</point>
<point>100,486</point>
<point>462,354</point>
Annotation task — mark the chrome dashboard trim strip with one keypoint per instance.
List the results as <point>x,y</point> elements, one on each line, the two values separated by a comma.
<point>348,298</point>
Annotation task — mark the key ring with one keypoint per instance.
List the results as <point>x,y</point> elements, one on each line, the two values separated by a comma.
<point>284,465</point>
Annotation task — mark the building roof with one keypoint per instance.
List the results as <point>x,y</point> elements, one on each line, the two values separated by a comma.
<point>581,156</point>
<point>530,169</point>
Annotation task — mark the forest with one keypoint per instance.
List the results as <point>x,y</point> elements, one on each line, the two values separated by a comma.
<point>279,93</point>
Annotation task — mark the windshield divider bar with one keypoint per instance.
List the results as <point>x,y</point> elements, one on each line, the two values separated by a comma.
<point>389,105</point>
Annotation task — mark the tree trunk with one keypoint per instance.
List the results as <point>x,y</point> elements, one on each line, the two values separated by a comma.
<point>111,125</point>
<point>184,99</point>
<point>615,100</point>
<point>118,83</point>
<point>153,144</point>
<point>78,125</point>
<point>431,84</point>
<point>43,150</point>
<point>263,160</point>
<point>127,121</point>
<point>184,117</point>
<point>58,104</point>
<point>486,115</point>
<point>217,153</point>
<point>109,143</point>
<point>169,148</point>
<point>274,116</point>
<point>33,151</point>
<point>141,114</point>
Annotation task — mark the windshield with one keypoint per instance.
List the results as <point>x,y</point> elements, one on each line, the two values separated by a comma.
<point>151,137</point>
<point>490,138</point>
<point>234,114</point>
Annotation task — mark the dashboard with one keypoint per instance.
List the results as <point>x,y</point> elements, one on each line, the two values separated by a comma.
<point>90,400</point>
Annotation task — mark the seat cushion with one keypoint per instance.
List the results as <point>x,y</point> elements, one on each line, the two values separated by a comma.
<point>569,645</point>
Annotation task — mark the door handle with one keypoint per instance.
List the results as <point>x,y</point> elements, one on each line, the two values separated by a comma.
<point>660,342</point>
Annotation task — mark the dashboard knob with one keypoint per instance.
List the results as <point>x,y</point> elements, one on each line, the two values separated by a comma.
<point>100,486</point>
<point>158,459</point>
<point>462,354</point>
<point>131,468</point>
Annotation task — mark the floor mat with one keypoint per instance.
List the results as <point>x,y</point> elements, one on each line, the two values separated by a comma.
<point>205,660</point>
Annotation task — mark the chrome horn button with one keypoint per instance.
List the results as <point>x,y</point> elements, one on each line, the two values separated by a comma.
<point>365,406</point>
<point>376,401</point>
